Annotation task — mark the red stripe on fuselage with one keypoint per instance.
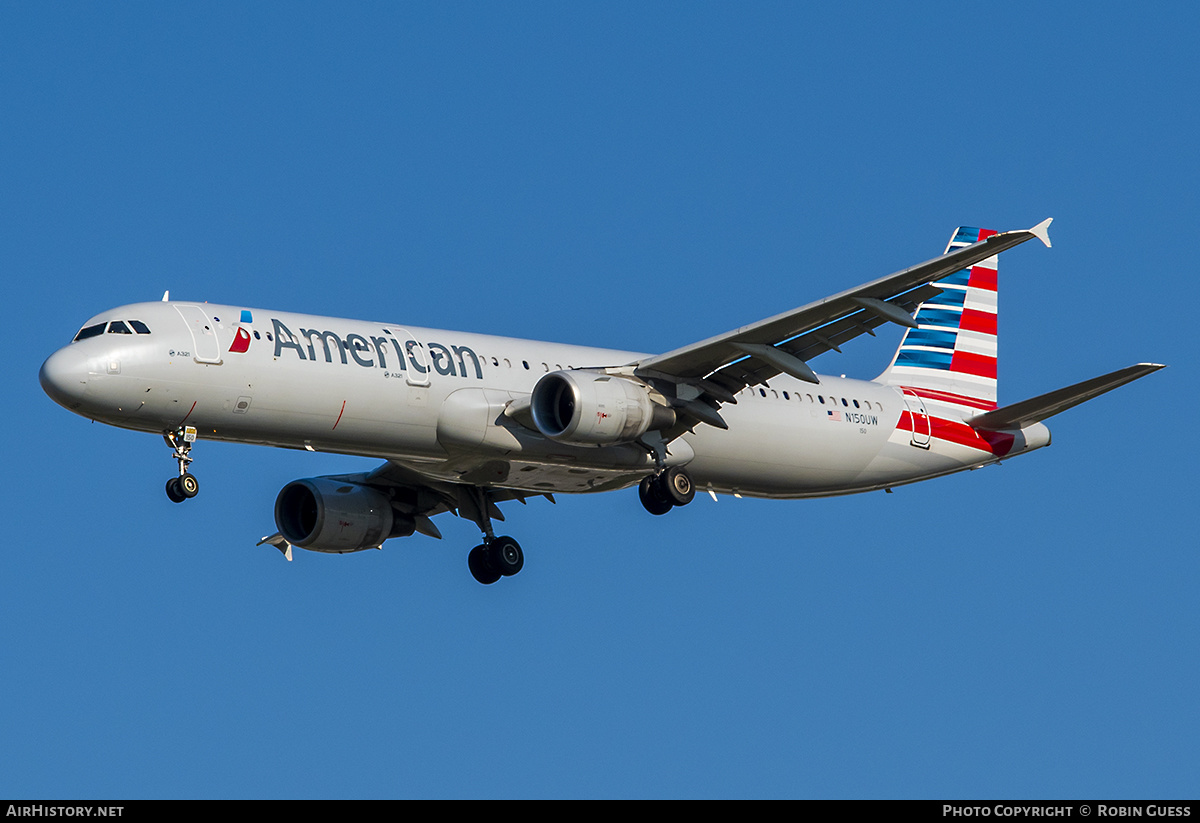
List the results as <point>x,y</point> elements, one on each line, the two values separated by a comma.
<point>951,397</point>
<point>954,431</point>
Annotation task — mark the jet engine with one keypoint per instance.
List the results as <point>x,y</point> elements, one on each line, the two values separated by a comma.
<point>591,408</point>
<point>325,514</point>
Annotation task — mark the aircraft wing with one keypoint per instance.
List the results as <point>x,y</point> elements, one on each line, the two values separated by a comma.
<point>721,366</point>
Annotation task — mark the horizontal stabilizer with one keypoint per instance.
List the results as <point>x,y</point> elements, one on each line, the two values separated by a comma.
<point>1037,409</point>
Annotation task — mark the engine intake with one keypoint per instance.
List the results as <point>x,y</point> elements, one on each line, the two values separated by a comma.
<point>324,514</point>
<point>595,409</point>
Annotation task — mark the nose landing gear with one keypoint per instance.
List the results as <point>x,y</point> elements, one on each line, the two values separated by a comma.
<point>185,486</point>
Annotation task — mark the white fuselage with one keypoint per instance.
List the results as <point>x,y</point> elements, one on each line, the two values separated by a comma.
<point>435,401</point>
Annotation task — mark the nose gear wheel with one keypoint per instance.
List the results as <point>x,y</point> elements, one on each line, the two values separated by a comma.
<point>185,486</point>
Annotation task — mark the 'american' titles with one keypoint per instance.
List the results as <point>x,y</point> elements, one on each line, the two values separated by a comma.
<point>374,351</point>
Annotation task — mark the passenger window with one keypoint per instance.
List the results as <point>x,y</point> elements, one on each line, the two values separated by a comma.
<point>90,331</point>
<point>139,327</point>
<point>117,327</point>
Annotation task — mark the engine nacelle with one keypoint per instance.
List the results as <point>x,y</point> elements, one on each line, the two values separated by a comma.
<point>323,514</point>
<point>595,409</point>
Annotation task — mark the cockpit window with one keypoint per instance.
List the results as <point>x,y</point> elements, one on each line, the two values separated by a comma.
<point>115,327</point>
<point>90,331</point>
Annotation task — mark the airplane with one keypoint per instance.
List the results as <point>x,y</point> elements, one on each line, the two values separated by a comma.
<point>464,422</point>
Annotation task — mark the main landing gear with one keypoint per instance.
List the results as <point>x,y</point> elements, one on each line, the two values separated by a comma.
<point>185,486</point>
<point>664,491</point>
<point>496,557</point>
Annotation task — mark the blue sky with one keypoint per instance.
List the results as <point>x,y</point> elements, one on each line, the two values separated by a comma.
<point>635,177</point>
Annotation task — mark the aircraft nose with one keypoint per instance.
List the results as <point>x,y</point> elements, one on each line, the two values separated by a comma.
<point>64,377</point>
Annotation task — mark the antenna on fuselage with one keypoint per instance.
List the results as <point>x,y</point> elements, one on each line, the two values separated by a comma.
<point>166,295</point>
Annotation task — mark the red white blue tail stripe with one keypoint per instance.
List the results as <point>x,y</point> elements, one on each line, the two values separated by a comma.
<point>950,358</point>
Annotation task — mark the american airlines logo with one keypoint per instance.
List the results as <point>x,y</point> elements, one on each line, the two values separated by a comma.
<point>241,340</point>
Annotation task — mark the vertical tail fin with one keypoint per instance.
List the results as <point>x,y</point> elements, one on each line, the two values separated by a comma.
<point>951,355</point>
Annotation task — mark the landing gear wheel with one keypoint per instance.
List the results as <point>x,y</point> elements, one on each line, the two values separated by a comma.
<point>481,568</point>
<point>174,492</point>
<point>505,556</point>
<point>677,486</point>
<point>654,499</point>
<point>188,485</point>
<point>185,485</point>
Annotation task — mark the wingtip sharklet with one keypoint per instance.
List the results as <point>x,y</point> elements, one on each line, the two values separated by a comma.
<point>1042,231</point>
